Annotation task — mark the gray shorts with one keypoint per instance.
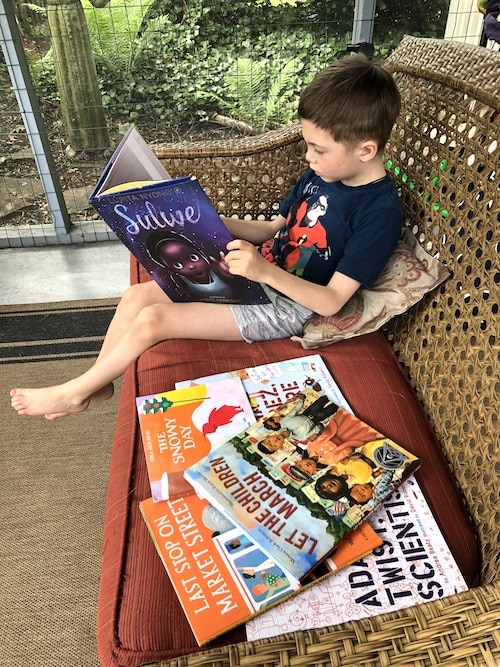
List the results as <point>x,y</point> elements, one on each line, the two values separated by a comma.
<point>281,318</point>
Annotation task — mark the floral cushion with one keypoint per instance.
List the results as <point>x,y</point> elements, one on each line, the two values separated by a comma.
<point>408,276</point>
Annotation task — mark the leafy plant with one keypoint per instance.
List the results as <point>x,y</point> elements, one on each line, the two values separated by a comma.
<point>164,63</point>
<point>114,31</point>
<point>257,92</point>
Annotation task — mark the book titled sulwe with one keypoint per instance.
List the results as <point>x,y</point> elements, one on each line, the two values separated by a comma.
<point>170,226</point>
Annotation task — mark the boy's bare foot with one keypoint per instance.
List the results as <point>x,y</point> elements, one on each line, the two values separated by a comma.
<point>54,402</point>
<point>103,394</point>
<point>46,401</point>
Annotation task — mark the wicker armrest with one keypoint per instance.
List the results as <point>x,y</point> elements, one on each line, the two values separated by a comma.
<point>230,147</point>
<point>245,177</point>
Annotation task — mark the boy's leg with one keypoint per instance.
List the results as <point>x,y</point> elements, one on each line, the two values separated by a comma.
<point>153,324</point>
<point>132,302</point>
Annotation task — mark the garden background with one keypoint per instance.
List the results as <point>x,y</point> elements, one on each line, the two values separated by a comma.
<point>181,71</point>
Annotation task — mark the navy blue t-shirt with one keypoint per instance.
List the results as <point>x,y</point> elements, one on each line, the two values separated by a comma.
<point>333,227</point>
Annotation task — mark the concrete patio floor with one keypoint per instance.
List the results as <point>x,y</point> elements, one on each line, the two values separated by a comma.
<point>63,273</point>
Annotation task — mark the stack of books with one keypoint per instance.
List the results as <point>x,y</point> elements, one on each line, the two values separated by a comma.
<point>269,495</point>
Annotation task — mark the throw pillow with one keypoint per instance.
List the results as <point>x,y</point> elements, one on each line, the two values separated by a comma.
<point>409,274</point>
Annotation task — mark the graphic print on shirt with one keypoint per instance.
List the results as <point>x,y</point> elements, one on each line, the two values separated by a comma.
<point>303,237</point>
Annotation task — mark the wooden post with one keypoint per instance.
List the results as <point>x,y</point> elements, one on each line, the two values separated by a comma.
<point>76,76</point>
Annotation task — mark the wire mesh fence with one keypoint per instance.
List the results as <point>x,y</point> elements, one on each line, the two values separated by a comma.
<point>75,75</point>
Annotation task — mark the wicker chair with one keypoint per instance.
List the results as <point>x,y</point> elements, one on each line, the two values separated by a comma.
<point>444,156</point>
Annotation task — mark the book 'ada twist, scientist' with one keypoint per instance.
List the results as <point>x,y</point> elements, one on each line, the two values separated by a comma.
<point>170,226</point>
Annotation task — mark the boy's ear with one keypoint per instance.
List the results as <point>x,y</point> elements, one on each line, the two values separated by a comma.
<point>368,150</point>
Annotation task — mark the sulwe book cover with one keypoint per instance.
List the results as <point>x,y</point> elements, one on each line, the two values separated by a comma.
<point>300,478</point>
<point>413,565</point>
<point>221,577</point>
<point>270,385</point>
<point>170,226</point>
<point>179,427</point>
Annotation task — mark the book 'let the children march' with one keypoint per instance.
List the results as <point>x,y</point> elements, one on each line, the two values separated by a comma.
<point>300,478</point>
<point>170,226</point>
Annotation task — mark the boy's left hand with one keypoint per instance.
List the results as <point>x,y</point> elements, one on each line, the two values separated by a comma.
<point>243,259</point>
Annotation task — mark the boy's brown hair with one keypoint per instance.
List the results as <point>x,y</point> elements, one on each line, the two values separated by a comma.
<point>354,99</point>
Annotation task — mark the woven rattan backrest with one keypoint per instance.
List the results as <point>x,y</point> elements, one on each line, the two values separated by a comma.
<point>444,156</point>
<point>244,177</point>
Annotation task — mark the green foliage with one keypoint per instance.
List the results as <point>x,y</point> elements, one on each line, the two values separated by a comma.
<point>161,62</point>
<point>260,92</point>
<point>114,31</point>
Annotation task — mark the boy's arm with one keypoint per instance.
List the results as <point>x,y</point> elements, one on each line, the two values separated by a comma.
<point>244,260</point>
<point>254,231</point>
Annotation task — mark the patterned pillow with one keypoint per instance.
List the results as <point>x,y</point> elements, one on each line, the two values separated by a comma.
<point>409,274</point>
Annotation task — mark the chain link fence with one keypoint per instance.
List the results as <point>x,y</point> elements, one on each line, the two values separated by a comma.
<point>75,75</point>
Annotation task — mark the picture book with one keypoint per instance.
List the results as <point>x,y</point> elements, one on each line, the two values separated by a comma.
<point>179,427</point>
<point>270,385</point>
<point>221,577</point>
<point>413,565</point>
<point>170,226</point>
<point>301,477</point>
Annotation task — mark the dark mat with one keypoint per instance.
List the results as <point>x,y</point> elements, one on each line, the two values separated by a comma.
<point>62,330</point>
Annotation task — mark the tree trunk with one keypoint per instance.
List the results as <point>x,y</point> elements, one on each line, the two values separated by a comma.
<point>76,76</point>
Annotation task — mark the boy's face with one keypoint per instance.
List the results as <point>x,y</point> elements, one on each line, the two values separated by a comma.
<point>329,159</point>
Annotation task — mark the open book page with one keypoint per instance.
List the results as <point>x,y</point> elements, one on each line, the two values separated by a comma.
<point>133,160</point>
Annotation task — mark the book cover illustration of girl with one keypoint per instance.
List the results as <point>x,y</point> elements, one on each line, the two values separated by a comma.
<point>194,273</point>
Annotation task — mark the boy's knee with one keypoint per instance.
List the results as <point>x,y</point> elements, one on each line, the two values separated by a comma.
<point>135,298</point>
<point>151,322</point>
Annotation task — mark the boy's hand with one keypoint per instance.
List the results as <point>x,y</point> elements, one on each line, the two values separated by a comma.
<point>243,259</point>
<point>220,266</point>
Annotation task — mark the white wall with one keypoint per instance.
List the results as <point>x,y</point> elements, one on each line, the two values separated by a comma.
<point>465,22</point>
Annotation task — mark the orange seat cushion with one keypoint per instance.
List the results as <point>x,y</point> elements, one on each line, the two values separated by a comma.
<point>139,618</point>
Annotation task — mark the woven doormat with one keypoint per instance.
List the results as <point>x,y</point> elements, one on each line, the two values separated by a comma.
<point>64,330</point>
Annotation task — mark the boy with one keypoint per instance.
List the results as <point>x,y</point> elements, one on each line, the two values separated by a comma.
<point>335,232</point>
